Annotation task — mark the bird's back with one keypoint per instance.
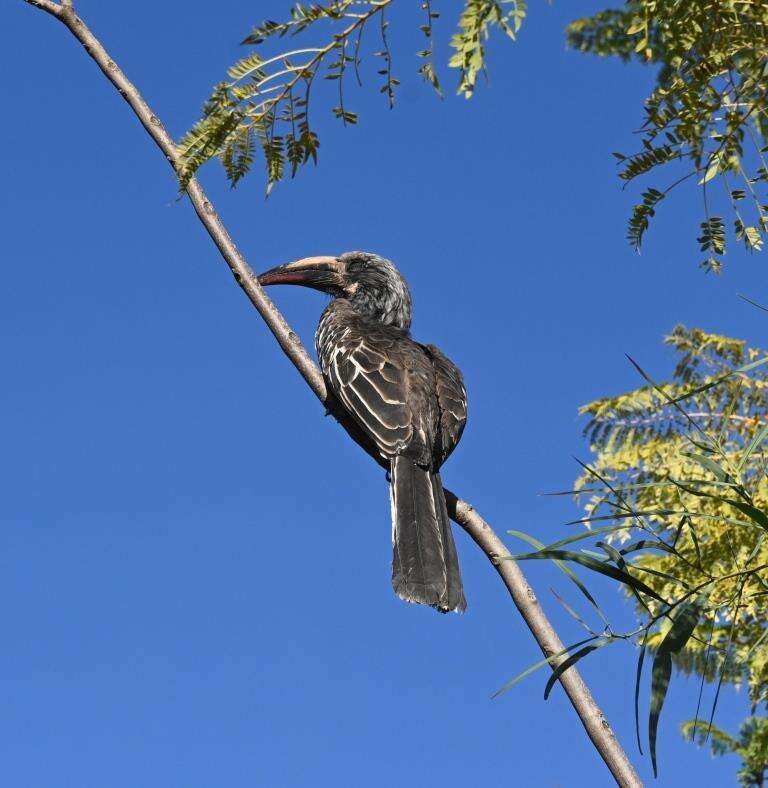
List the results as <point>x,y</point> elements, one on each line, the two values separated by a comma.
<point>408,398</point>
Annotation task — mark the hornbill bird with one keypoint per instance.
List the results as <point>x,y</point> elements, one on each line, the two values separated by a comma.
<point>406,404</point>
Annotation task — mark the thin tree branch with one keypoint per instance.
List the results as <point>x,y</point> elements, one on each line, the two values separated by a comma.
<point>597,726</point>
<point>461,512</point>
<point>46,5</point>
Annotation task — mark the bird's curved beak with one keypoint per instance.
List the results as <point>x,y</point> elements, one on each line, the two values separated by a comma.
<point>321,273</point>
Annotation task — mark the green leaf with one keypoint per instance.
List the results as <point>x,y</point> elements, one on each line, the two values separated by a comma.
<point>596,566</point>
<point>753,238</point>
<point>681,630</point>
<point>759,437</point>
<point>638,676</point>
<point>712,170</point>
<point>586,534</point>
<point>566,570</point>
<point>475,22</point>
<point>574,614</point>
<point>540,664</point>
<point>572,660</point>
<point>660,675</point>
<point>709,464</point>
<point>246,66</point>
<point>718,380</point>
<point>751,511</point>
<point>648,544</point>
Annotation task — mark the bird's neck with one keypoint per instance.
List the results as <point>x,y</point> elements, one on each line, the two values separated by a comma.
<point>387,306</point>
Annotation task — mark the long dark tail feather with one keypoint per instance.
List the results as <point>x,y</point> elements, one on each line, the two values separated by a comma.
<point>425,566</point>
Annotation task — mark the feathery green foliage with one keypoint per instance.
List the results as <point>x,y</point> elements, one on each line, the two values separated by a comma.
<point>709,109</point>
<point>676,509</point>
<point>751,746</point>
<point>694,473</point>
<point>266,100</point>
<point>707,116</point>
<point>476,19</point>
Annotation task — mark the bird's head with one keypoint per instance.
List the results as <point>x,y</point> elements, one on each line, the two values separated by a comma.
<point>371,283</point>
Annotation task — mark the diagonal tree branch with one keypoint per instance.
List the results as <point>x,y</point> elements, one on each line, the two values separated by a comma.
<point>46,5</point>
<point>461,512</point>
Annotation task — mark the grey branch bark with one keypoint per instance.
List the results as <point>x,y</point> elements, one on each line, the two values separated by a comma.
<point>461,512</point>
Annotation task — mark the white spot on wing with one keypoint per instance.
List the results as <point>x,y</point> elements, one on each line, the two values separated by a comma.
<point>392,506</point>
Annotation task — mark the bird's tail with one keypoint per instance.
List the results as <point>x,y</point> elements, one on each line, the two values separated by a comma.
<point>425,566</point>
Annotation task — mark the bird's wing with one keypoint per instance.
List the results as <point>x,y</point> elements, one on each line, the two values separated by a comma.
<point>386,382</point>
<point>452,401</point>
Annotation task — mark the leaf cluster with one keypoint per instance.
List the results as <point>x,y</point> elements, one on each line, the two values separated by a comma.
<point>475,22</point>
<point>688,455</point>
<point>675,506</point>
<point>751,746</point>
<point>709,110</point>
<point>265,102</point>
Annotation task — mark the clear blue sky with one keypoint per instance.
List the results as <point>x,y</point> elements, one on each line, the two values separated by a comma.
<point>194,563</point>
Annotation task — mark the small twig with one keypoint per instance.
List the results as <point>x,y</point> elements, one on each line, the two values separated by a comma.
<point>387,54</point>
<point>323,51</point>
<point>49,7</point>
<point>343,65</point>
<point>356,60</point>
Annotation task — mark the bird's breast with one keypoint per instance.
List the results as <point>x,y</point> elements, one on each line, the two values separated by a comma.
<point>334,327</point>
